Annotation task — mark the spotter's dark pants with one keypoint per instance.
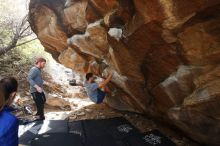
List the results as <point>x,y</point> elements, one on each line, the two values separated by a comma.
<point>39,99</point>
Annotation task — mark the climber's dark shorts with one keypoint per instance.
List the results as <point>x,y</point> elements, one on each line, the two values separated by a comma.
<point>101,96</point>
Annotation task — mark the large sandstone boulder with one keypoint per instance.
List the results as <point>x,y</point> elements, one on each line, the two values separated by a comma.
<point>164,54</point>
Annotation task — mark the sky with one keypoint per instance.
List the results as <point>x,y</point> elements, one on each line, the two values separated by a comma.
<point>14,8</point>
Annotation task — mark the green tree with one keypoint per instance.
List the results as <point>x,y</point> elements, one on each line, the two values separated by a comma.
<point>14,28</point>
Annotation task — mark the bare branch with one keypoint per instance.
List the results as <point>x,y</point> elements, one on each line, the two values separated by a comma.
<point>26,42</point>
<point>13,45</point>
<point>18,32</point>
<point>24,29</point>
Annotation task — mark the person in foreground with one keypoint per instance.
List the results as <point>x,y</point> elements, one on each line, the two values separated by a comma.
<point>8,122</point>
<point>93,89</point>
<point>36,86</point>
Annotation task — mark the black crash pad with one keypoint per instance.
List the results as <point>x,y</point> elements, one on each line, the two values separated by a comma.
<point>107,132</point>
<point>29,131</point>
<point>115,132</point>
<point>57,139</point>
<point>151,138</point>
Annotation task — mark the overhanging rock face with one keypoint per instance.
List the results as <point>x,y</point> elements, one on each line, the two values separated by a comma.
<point>164,54</point>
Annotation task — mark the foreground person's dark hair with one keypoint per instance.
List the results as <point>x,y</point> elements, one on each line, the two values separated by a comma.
<point>8,85</point>
<point>2,98</point>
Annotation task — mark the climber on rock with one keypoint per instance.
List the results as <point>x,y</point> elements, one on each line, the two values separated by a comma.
<point>96,91</point>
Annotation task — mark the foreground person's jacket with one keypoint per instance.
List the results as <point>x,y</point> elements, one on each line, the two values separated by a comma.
<point>8,128</point>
